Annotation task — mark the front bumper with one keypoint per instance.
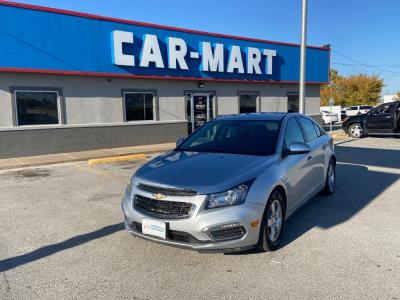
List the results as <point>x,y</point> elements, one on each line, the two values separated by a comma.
<point>200,224</point>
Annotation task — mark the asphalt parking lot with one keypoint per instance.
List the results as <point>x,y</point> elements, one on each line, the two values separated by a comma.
<point>61,236</point>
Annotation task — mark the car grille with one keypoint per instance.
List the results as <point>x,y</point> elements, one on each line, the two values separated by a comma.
<point>172,235</point>
<point>166,191</point>
<point>228,234</point>
<point>163,209</point>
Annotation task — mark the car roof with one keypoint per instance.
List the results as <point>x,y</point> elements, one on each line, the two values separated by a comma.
<point>267,116</point>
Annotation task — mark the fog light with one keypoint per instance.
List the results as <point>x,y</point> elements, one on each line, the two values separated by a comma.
<point>227,232</point>
<point>231,225</point>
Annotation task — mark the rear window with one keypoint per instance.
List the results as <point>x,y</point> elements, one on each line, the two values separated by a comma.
<point>309,130</point>
<point>365,107</point>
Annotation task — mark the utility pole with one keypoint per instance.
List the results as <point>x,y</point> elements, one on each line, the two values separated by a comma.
<point>302,84</point>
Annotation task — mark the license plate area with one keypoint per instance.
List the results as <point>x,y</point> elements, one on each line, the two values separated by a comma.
<point>154,228</point>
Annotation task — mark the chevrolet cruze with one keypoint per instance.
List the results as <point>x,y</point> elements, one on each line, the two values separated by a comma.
<point>231,184</point>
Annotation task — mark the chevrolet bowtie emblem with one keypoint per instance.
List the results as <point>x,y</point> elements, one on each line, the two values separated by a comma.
<point>158,196</point>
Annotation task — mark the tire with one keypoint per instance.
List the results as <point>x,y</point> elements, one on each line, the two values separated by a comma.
<point>356,131</point>
<point>275,204</point>
<point>330,180</point>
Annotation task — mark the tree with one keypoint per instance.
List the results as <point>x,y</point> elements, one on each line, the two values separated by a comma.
<point>352,90</point>
<point>397,96</point>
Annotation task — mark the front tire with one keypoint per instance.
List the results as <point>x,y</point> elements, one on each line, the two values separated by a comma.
<point>356,130</point>
<point>273,223</point>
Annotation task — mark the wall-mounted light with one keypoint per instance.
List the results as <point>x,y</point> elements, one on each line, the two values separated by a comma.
<point>200,84</point>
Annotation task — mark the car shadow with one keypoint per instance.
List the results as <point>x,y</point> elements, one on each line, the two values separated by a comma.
<point>13,262</point>
<point>356,187</point>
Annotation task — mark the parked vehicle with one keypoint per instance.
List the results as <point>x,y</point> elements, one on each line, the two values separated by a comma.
<point>382,120</point>
<point>231,184</point>
<point>327,117</point>
<point>357,110</point>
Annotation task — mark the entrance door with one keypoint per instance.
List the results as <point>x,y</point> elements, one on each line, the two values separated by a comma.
<point>293,103</point>
<point>200,110</point>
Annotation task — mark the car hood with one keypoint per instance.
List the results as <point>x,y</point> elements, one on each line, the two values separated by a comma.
<point>201,171</point>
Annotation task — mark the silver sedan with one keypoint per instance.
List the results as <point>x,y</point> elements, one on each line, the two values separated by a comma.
<point>232,184</point>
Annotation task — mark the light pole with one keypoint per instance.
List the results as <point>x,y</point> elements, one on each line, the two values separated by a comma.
<point>302,84</point>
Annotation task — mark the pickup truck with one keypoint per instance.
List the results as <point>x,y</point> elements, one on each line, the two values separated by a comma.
<point>382,120</point>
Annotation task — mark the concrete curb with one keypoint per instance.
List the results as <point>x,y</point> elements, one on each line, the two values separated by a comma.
<point>95,156</point>
<point>112,159</point>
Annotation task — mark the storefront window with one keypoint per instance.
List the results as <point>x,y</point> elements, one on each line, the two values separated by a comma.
<point>36,108</point>
<point>139,106</point>
<point>247,103</point>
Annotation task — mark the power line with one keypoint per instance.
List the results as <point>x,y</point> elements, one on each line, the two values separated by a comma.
<point>360,64</point>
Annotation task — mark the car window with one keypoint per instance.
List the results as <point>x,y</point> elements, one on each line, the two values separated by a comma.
<point>353,108</point>
<point>293,133</point>
<point>383,109</point>
<point>309,129</point>
<point>318,129</point>
<point>365,107</point>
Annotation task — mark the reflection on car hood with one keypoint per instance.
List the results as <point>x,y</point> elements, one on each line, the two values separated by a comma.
<point>201,171</point>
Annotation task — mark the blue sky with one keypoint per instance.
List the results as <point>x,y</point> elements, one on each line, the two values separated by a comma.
<point>363,33</point>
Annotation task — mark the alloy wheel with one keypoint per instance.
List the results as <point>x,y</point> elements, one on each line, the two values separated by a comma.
<point>356,131</point>
<point>274,220</point>
<point>331,177</point>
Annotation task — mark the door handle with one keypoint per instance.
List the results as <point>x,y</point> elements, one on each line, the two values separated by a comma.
<point>309,158</point>
<point>324,146</point>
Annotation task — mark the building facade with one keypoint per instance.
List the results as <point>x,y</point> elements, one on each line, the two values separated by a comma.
<point>72,82</point>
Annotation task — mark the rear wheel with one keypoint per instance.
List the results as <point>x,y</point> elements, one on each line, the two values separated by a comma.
<point>272,223</point>
<point>356,130</point>
<point>330,180</point>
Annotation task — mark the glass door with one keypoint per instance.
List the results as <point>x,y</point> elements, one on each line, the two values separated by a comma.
<point>199,110</point>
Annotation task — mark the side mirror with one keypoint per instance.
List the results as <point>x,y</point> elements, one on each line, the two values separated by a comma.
<point>298,148</point>
<point>179,142</point>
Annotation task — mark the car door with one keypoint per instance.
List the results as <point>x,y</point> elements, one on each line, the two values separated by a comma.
<point>294,166</point>
<point>380,119</point>
<point>315,166</point>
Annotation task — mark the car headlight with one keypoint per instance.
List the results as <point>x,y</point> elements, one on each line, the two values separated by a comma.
<point>233,196</point>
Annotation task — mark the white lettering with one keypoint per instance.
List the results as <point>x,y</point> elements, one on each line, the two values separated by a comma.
<point>268,60</point>
<point>253,60</point>
<point>212,62</point>
<point>119,58</point>
<point>235,60</point>
<point>151,52</point>
<point>177,50</point>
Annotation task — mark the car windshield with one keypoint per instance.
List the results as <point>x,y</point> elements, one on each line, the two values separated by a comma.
<point>247,137</point>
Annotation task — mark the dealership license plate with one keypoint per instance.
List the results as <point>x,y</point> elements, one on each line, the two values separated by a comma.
<point>154,228</point>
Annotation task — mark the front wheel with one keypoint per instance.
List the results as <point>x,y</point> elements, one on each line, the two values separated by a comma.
<point>356,130</point>
<point>272,223</point>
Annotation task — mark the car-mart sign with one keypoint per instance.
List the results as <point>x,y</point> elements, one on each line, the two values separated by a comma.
<point>210,57</point>
<point>37,39</point>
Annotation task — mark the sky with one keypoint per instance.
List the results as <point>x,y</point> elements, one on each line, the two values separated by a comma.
<point>364,34</point>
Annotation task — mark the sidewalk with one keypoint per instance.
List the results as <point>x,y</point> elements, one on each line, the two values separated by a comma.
<point>114,154</point>
<point>103,155</point>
